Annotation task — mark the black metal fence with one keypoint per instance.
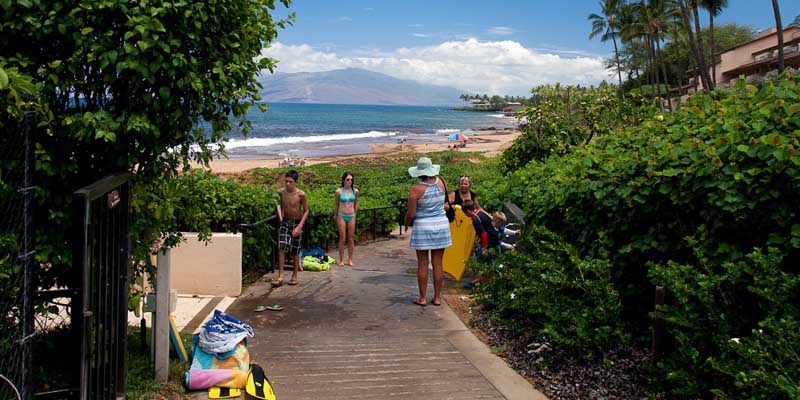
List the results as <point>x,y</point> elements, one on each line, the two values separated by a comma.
<point>102,251</point>
<point>16,260</point>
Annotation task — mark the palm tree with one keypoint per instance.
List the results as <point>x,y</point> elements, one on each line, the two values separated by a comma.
<point>702,72</point>
<point>779,27</point>
<point>698,31</point>
<point>607,26</point>
<point>649,21</point>
<point>714,8</point>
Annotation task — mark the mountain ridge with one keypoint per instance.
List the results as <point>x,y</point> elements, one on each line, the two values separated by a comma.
<point>354,86</point>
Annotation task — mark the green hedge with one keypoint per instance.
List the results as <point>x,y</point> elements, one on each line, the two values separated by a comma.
<point>703,201</point>
<point>200,202</point>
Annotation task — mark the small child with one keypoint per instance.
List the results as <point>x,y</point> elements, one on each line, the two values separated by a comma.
<point>294,211</point>
<point>490,231</point>
<point>499,221</point>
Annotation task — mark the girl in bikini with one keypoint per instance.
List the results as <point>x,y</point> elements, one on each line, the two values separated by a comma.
<point>345,216</point>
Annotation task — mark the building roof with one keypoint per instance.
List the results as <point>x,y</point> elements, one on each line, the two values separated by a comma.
<point>794,24</point>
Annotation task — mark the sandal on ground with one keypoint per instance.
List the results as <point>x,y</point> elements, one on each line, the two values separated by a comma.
<point>277,282</point>
<point>259,308</point>
<point>420,303</point>
<point>435,303</point>
<point>294,283</point>
<point>274,307</point>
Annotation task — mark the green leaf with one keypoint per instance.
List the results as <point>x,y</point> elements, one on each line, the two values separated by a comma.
<point>671,172</point>
<point>3,79</point>
<point>86,31</point>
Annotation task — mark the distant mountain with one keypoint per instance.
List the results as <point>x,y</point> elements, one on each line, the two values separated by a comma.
<point>354,86</point>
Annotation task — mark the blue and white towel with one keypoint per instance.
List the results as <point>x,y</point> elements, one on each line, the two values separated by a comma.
<point>222,333</point>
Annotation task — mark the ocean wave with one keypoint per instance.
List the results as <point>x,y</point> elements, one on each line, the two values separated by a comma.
<point>266,142</point>
<point>446,131</point>
<point>497,115</point>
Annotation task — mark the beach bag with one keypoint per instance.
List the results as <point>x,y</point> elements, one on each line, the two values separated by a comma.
<point>316,252</point>
<point>311,263</point>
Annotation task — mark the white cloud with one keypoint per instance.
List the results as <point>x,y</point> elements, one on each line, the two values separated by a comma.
<point>344,19</point>
<point>493,67</point>
<point>369,9</point>
<point>500,30</point>
<point>415,26</point>
<point>423,35</point>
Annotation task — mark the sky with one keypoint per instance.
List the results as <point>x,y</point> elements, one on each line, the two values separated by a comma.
<point>484,47</point>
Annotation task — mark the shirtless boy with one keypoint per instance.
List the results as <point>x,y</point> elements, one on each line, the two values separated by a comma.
<point>294,208</point>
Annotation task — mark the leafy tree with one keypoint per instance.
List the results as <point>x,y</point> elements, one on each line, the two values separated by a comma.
<point>143,87</point>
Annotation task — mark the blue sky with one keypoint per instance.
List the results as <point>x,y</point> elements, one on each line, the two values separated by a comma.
<point>495,47</point>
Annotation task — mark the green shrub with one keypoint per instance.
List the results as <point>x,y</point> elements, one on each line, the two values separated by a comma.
<point>685,200</point>
<point>734,325</point>
<point>571,298</point>
<point>570,116</point>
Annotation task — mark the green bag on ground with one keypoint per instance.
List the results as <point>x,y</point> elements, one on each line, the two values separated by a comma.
<point>311,263</point>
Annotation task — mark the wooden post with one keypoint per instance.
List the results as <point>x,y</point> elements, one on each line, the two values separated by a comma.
<point>658,326</point>
<point>161,318</point>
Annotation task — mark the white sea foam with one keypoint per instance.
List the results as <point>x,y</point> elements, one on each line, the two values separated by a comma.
<point>446,131</point>
<point>267,142</point>
<point>497,115</point>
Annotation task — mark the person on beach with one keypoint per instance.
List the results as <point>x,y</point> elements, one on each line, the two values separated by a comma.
<point>345,216</point>
<point>430,230</point>
<point>464,193</point>
<point>294,211</point>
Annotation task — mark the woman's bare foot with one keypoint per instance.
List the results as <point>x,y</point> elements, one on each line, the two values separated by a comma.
<point>350,263</point>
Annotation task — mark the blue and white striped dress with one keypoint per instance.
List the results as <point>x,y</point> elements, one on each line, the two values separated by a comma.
<point>431,229</point>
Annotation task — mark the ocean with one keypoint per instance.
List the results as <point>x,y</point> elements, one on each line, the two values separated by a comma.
<point>313,130</point>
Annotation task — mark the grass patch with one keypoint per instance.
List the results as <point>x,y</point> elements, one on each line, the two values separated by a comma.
<point>141,383</point>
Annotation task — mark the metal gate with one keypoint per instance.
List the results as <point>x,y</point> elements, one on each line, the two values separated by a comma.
<point>101,256</point>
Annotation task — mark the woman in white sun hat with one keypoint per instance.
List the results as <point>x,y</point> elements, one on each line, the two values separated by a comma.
<point>431,230</point>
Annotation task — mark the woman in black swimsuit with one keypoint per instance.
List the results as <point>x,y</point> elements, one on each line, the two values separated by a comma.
<point>464,193</point>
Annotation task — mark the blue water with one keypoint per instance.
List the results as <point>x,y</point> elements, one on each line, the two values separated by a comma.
<point>336,129</point>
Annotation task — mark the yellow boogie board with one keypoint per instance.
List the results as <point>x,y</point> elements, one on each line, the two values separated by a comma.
<point>463,235</point>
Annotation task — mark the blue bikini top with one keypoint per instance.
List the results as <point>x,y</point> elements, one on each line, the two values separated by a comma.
<point>347,199</point>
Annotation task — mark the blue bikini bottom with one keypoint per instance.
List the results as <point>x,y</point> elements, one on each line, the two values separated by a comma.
<point>347,217</point>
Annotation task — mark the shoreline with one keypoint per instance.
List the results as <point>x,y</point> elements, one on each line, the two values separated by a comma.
<point>489,143</point>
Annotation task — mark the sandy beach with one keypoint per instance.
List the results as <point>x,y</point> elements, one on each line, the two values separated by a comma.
<point>489,143</point>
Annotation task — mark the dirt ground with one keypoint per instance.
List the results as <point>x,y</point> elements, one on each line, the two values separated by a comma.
<point>460,300</point>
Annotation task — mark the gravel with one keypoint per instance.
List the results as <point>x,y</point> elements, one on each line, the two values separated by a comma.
<point>562,374</point>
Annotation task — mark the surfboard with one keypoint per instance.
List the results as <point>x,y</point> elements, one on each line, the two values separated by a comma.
<point>177,343</point>
<point>463,235</point>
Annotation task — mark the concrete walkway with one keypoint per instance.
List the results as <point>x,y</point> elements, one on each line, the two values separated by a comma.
<point>353,333</point>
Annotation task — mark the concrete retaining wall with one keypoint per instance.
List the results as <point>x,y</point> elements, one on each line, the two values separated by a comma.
<point>208,268</point>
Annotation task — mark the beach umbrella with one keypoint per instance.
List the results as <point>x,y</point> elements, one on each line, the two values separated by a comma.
<point>457,136</point>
